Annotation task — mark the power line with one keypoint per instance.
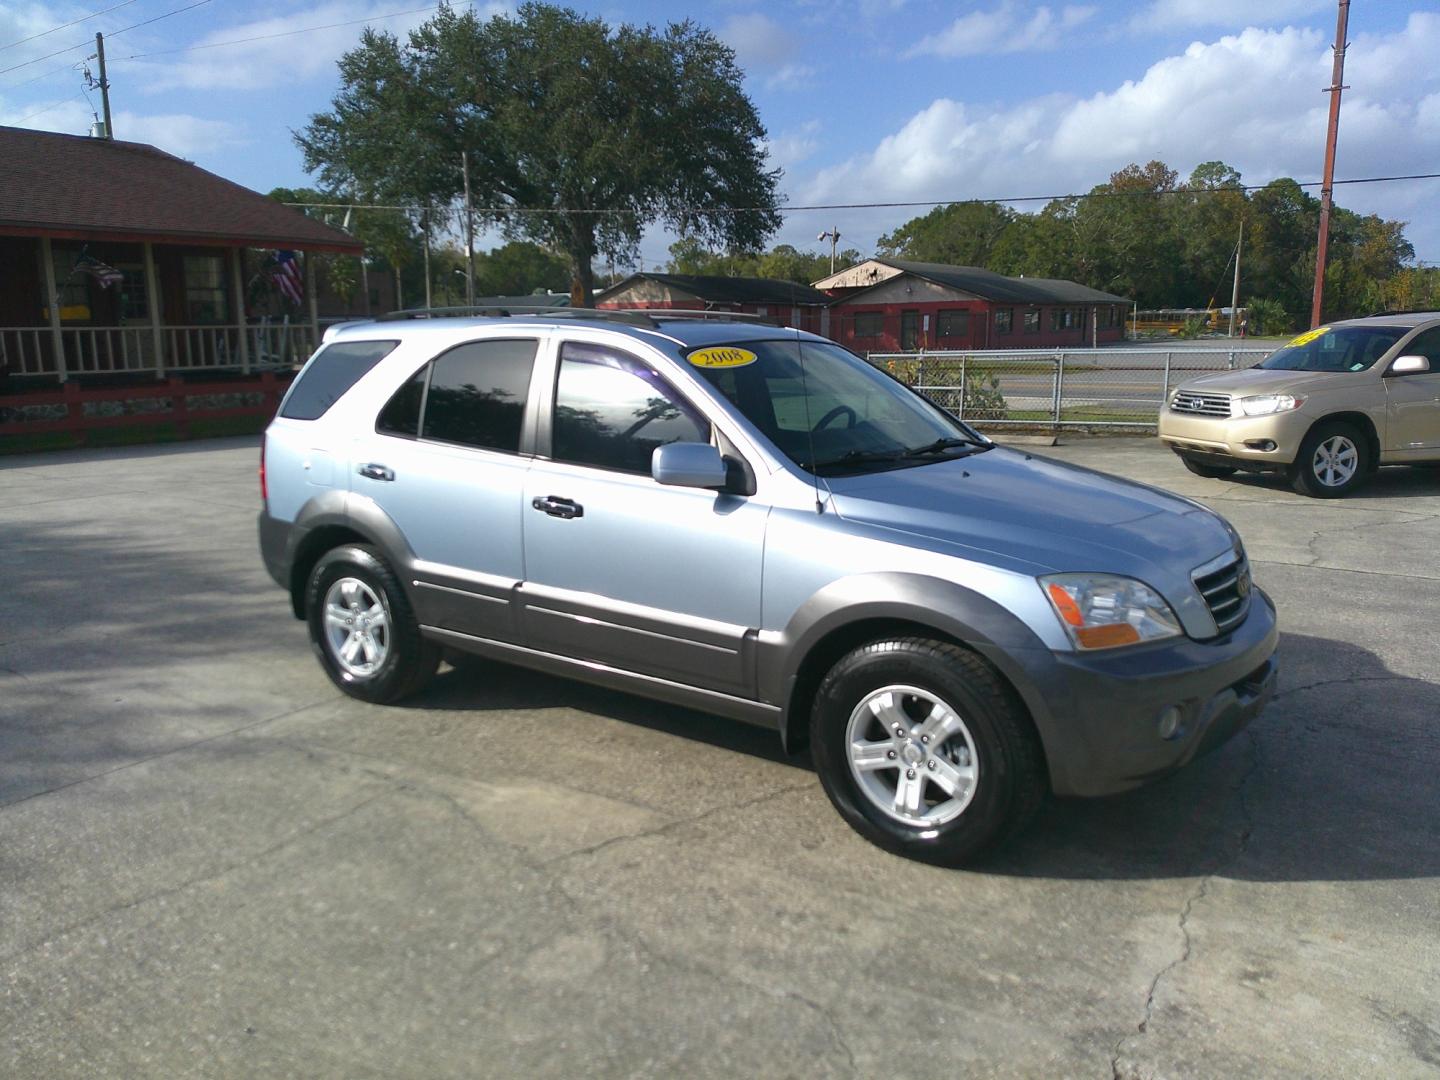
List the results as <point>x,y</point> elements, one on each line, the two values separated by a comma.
<point>281,34</point>
<point>43,75</point>
<point>415,208</point>
<point>66,26</point>
<point>116,33</point>
<point>47,108</point>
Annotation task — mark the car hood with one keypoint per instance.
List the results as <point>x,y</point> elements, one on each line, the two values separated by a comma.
<point>1261,381</point>
<point>1053,516</point>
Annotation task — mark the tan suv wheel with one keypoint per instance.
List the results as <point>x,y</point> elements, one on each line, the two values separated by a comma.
<point>1334,460</point>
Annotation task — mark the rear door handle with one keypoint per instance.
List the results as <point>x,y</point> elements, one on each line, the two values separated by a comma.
<point>555,506</point>
<point>377,472</point>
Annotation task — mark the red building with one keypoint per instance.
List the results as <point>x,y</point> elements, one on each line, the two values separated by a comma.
<point>785,302</point>
<point>892,305</point>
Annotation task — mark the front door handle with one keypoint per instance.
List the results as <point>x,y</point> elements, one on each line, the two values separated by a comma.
<point>377,472</point>
<point>555,506</point>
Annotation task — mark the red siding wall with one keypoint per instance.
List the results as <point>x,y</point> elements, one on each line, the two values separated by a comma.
<point>981,332</point>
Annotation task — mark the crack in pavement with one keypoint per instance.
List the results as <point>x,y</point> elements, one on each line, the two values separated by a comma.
<point>1349,680</point>
<point>280,845</point>
<point>1200,892</point>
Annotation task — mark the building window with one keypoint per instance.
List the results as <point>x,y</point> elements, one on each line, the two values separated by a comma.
<point>1105,317</point>
<point>1032,320</point>
<point>953,324</point>
<point>1004,320</point>
<point>205,290</point>
<point>1057,318</point>
<point>869,324</point>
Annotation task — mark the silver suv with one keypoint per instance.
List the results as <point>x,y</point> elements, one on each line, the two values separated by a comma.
<point>755,522</point>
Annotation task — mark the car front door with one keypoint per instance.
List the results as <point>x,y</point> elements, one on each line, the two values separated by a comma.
<point>446,464</point>
<point>620,570</point>
<point>1412,402</point>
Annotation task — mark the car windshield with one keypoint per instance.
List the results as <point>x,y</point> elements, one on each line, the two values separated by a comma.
<point>1342,348</point>
<point>829,411</point>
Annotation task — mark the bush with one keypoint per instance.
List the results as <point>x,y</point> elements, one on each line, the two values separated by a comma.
<point>980,395</point>
<point>1192,328</point>
<point>1266,316</point>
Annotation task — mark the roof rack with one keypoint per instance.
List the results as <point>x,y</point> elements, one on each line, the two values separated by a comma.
<point>651,317</point>
<point>1401,311</point>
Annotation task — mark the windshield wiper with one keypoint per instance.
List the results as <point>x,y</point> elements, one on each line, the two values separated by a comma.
<point>941,445</point>
<point>861,457</point>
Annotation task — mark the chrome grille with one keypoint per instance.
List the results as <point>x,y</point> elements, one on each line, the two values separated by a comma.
<point>1227,592</point>
<point>1194,403</point>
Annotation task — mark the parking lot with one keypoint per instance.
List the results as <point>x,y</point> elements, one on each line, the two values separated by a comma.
<point>213,864</point>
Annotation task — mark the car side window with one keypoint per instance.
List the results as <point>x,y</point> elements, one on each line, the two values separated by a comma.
<point>329,374</point>
<point>1426,344</point>
<point>612,411</point>
<point>473,395</point>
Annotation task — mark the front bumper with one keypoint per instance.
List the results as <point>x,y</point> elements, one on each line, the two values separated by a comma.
<point>1236,440</point>
<point>1102,734</point>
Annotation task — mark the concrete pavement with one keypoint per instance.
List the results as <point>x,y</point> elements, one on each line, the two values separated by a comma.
<point>212,864</point>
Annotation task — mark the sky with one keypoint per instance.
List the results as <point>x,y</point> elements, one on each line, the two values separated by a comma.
<point>863,100</point>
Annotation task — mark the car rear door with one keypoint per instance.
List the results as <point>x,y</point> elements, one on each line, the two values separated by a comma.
<point>1412,402</point>
<point>446,463</point>
<point>623,571</point>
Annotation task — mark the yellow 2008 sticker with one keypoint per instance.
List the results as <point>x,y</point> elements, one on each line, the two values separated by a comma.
<point>1307,337</point>
<point>721,356</point>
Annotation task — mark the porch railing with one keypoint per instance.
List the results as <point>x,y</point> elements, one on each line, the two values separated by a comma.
<point>30,350</point>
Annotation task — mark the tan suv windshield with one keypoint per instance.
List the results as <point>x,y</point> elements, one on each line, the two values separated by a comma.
<point>1345,348</point>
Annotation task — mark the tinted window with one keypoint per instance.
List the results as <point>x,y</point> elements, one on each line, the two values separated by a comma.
<point>612,411</point>
<point>331,372</point>
<point>401,415</point>
<point>1345,348</point>
<point>477,394</point>
<point>1426,344</point>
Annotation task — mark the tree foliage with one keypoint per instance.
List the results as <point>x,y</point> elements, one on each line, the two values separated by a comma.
<point>593,130</point>
<point>784,262</point>
<point>1166,244</point>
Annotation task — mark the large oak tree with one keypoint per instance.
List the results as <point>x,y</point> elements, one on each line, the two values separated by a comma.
<point>578,133</point>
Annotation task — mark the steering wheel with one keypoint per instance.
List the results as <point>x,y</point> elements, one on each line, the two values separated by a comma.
<point>837,411</point>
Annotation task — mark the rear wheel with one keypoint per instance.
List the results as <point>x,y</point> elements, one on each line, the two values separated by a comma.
<point>363,629</point>
<point>1210,472</point>
<point>925,751</point>
<point>1334,460</point>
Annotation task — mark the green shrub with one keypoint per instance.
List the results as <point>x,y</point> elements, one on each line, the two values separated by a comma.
<point>980,398</point>
<point>1266,316</point>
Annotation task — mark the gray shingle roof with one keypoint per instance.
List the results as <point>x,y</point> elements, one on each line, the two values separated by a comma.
<point>729,290</point>
<point>998,287</point>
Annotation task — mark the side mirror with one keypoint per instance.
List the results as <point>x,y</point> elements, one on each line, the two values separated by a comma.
<point>688,464</point>
<point>1410,365</point>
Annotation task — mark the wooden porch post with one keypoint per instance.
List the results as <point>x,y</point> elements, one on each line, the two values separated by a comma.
<point>52,303</point>
<point>314,301</point>
<point>237,301</point>
<point>152,301</point>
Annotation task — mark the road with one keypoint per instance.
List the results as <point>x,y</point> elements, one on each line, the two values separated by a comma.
<point>212,864</point>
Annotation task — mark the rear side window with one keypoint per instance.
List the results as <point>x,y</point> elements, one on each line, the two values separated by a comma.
<point>473,395</point>
<point>330,373</point>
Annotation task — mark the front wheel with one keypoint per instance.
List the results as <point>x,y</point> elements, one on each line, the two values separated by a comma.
<point>363,629</point>
<point>925,751</point>
<point>1334,460</point>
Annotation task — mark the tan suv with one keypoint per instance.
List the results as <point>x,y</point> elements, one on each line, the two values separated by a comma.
<point>1326,410</point>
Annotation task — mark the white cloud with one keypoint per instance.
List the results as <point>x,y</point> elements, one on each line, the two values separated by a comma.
<point>790,148</point>
<point>180,134</point>
<point>1252,100</point>
<point>767,51</point>
<point>1007,29</point>
<point>1229,13</point>
<point>279,55</point>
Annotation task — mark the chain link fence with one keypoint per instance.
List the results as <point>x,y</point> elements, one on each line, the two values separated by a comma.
<point>1120,388</point>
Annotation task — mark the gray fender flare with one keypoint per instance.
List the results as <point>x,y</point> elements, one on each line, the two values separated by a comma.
<point>355,514</point>
<point>952,610</point>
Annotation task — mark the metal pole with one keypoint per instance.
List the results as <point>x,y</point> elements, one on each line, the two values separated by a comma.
<point>1165,387</point>
<point>104,84</point>
<point>964,386</point>
<point>1235,288</point>
<point>52,301</point>
<point>1337,79</point>
<point>469,232</point>
<point>1059,385</point>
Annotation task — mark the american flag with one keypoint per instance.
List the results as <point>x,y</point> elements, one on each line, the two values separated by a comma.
<point>104,273</point>
<point>286,275</point>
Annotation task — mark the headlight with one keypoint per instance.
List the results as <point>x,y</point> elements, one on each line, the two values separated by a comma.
<point>1265,404</point>
<point>1100,611</point>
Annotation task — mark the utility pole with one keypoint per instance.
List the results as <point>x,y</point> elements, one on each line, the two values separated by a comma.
<point>833,235</point>
<point>425,228</point>
<point>1235,288</point>
<point>104,85</point>
<point>469,232</point>
<point>1337,79</point>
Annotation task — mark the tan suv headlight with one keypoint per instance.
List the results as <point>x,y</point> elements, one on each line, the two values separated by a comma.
<point>1265,404</point>
<point>1104,611</point>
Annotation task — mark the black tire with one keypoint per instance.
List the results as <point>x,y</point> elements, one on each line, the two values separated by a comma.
<point>409,661</point>
<point>1210,472</point>
<point>1009,784</point>
<point>1308,476</point>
